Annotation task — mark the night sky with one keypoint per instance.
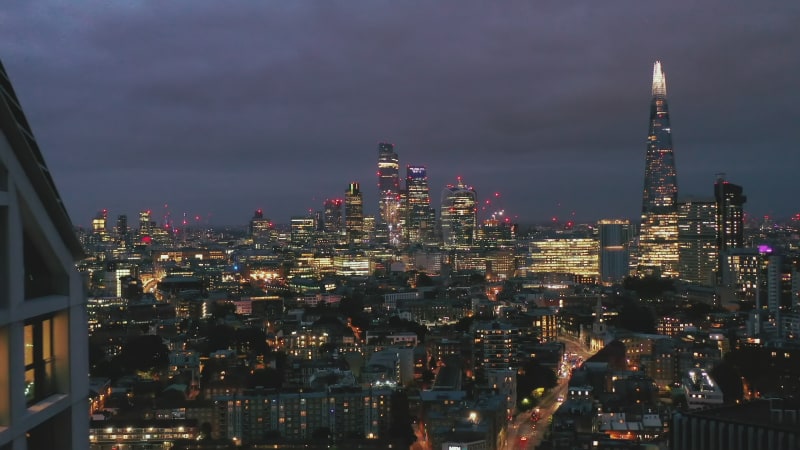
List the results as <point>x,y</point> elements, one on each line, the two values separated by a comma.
<point>216,108</point>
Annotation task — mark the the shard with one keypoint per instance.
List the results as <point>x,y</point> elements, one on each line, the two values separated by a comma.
<point>658,237</point>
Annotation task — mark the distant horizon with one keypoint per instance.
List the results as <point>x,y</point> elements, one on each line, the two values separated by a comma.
<point>220,109</point>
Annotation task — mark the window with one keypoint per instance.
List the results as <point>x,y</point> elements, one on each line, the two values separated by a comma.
<point>39,359</point>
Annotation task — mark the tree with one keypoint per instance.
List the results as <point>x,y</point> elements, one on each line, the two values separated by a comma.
<point>531,376</point>
<point>146,353</point>
<point>400,430</point>
<point>636,317</point>
<point>729,380</point>
<point>268,378</point>
<point>321,434</point>
<point>221,337</point>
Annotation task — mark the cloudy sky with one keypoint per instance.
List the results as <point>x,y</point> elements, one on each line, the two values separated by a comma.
<point>216,108</point>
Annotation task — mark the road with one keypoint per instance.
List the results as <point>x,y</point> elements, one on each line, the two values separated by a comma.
<point>524,434</point>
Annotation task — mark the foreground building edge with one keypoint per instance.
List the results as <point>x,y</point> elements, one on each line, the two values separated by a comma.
<point>43,336</point>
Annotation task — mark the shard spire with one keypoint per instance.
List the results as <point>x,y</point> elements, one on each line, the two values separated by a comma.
<point>659,81</point>
<point>658,234</point>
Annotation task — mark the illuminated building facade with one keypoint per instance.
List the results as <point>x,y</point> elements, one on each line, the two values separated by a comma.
<point>573,255</point>
<point>495,346</point>
<point>260,227</point>
<point>614,238</point>
<point>658,237</point>
<point>420,217</point>
<point>697,241</point>
<point>99,226</point>
<point>43,321</point>
<point>302,231</point>
<point>332,216</point>
<point>254,415</point>
<point>354,214</point>
<point>729,217</point>
<point>389,188</point>
<point>146,226</point>
<point>458,216</point>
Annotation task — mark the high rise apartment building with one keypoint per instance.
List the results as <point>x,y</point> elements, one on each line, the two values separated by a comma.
<point>43,323</point>
<point>697,240</point>
<point>614,237</point>
<point>658,236</point>
<point>458,216</point>
<point>730,201</point>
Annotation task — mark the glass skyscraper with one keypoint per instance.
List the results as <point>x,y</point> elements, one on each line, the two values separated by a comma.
<point>658,237</point>
<point>729,201</point>
<point>459,215</point>
<point>697,233</point>
<point>354,214</point>
<point>389,188</point>
<point>420,216</point>
<point>614,236</point>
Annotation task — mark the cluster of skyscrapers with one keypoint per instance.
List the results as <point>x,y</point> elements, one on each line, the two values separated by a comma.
<point>405,214</point>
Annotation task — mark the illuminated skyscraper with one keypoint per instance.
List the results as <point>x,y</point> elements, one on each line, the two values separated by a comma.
<point>260,226</point>
<point>99,226</point>
<point>146,225</point>
<point>459,215</point>
<point>730,214</point>
<point>658,238</point>
<point>302,231</point>
<point>420,217</point>
<point>730,218</point>
<point>389,188</point>
<point>354,214</point>
<point>332,217</point>
<point>614,236</point>
<point>697,245</point>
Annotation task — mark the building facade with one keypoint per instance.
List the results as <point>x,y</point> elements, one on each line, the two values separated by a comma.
<point>389,188</point>
<point>458,215</point>
<point>43,321</point>
<point>729,218</point>
<point>697,241</point>
<point>354,214</point>
<point>658,236</point>
<point>420,220</point>
<point>614,237</point>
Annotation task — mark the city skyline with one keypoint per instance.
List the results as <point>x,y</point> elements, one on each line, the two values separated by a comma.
<point>508,99</point>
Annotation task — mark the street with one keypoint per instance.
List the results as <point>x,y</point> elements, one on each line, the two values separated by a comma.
<point>525,434</point>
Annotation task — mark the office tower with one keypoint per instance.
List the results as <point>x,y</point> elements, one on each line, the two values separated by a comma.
<point>99,226</point>
<point>354,214</point>
<point>697,240</point>
<point>145,223</point>
<point>572,255</point>
<point>458,218</point>
<point>260,226</point>
<point>658,236</point>
<point>332,215</point>
<point>43,332</point>
<point>302,231</point>
<point>420,218</point>
<point>123,235</point>
<point>614,238</point>
<point>389,188</point>
<point>730,217</point>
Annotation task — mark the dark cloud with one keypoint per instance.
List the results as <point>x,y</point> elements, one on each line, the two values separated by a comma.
<point>221,107</point>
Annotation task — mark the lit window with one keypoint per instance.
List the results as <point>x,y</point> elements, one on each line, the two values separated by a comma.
<point>39,360</point>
